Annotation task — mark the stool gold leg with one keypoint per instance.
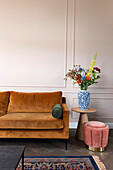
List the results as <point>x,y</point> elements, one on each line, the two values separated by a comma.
<point>96,149</point>
<point>82,119</point>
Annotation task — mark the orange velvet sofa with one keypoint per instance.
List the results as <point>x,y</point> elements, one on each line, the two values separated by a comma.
<point>29,115</point>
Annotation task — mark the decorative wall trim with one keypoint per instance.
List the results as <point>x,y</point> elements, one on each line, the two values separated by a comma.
<point>106,98</point>
<point>66,35</point>
<point>35,86</point>
<point>97,87</point>
<point>65,60</point>
<point>74,22</point>
<point>75,92</point>
<point>102,87</point>
<point>74,57</point>
<point>103,119</point>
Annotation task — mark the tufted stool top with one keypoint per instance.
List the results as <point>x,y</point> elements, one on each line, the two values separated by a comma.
<point>95,134</point>
<point>96,124</point>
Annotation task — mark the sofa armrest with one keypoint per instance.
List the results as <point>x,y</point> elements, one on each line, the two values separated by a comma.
<point>65,108</point>
<point>66,120</point>
<point>65,114</point>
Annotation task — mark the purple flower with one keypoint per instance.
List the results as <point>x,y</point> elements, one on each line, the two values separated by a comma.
<point>97,69</point>
<point>81,69</point>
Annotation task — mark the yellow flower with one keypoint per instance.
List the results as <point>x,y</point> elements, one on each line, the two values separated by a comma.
<point>92,65</point>
<point>90,68</point>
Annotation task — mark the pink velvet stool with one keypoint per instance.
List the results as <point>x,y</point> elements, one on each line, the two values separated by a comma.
<point>95,135</point>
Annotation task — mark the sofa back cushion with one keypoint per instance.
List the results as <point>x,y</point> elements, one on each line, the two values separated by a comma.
<point>4,100</point>
<point>33,102</point>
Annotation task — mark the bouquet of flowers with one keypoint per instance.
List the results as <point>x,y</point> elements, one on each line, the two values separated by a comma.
<point>84,77</point>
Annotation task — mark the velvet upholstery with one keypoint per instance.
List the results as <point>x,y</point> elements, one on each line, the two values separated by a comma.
<point>57,111</point>
<point>95,134</point>
<point>33,114</point>
<point>33,102</point>
<point>4,100</point>
<point>96,124</point>
<point>40,133</point>
<point>65,121</point>
<point>30,121</point>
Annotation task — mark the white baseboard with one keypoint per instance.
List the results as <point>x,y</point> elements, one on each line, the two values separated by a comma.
<point>73,125</point>
<point>110,125</point>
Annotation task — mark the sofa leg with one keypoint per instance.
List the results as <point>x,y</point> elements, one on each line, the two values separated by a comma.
<point>65,144</point>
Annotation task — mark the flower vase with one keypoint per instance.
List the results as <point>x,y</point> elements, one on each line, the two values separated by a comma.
<point>84,99</point>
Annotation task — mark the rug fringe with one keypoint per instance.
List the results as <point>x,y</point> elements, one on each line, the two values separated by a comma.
<point>100,164</point>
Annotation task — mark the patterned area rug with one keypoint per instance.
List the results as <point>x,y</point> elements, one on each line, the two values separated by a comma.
<point>62,163</point>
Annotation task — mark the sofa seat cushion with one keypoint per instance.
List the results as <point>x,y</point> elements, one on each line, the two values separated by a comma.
<point>30,121</point>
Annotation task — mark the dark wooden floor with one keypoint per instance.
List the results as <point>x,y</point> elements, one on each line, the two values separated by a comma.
<point>45,147</point>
